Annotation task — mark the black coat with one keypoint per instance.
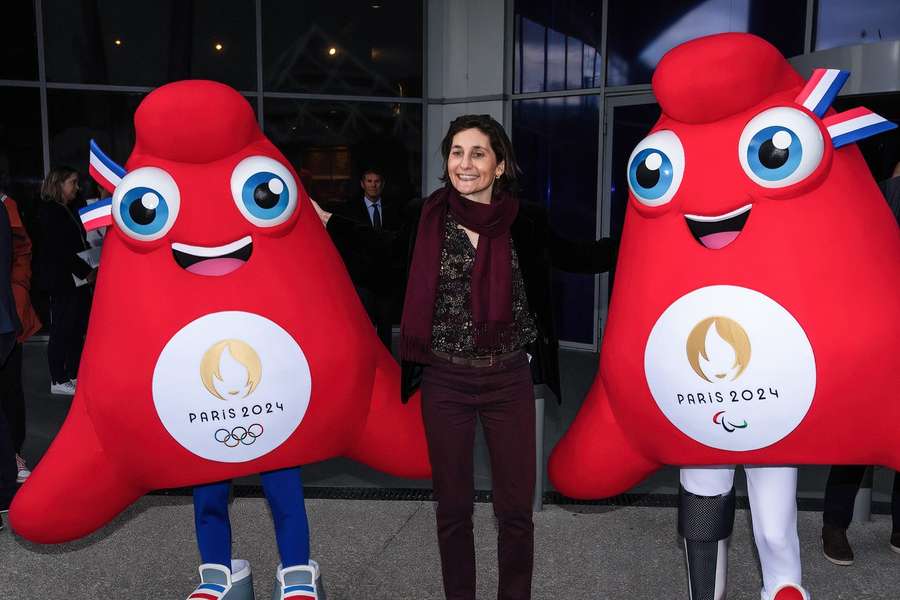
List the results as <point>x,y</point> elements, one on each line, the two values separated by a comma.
<point>539,248</point>
<point>62,238</point>
<point>376,267</point>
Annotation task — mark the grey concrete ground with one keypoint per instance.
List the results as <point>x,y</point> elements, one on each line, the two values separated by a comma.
<point>388,551</point>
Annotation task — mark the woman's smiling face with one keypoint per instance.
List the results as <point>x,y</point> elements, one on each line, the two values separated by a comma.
<point>472,165</point>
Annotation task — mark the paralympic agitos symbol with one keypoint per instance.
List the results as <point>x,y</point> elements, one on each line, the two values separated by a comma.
<point>727,425</point>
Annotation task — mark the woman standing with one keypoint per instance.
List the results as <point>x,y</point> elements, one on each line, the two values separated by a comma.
<point>62,239</point>
<point>477,309</point>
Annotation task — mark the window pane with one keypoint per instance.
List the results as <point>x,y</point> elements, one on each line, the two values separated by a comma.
<point>343,47</point>
<point>151,42</point>
<point>556,145</point>
<point>556,44</point>
<point>638,37</point>
<point>329,143</point>
<point>21,156</point>
<point>18,52</point>
<point>841,23</point>
<point>75,117</point>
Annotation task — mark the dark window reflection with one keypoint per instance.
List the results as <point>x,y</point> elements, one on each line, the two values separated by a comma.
<point>18,50</point>
<point>557,45</point>
<point>556,145</point>
<point>329,143</point>
<point>75,117</point>
<point>150,42</point>
<point>639,36</point>
<point>841,23</point>
<point>631,124</point>
<point>343,47</point>
<point>21,156</point>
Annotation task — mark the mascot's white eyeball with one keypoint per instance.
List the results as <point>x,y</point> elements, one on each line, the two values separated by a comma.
<point>656,168</point>
<point>780,146</point>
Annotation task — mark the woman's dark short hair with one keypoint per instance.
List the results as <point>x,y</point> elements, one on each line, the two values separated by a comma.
<point>51,189</point>
<point>500,144</point>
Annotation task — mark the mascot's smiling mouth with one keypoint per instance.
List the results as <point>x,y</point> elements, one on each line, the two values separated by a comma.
<point>215,261</point>
<point>718,231</point>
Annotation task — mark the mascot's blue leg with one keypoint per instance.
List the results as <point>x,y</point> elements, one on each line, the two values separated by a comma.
<point>284,491</point>
<point>221,578</point>
<point>297,576</point>
<point>212,523</point>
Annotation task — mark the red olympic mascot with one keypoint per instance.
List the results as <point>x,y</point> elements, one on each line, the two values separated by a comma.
<point>754,316</point>
<point>225,339</point>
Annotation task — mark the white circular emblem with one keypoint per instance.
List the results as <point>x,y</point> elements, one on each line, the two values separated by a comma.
<point>231,386</point>
<point>730,367</point>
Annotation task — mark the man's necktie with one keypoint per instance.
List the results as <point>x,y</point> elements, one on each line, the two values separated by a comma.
<point>376,217</point>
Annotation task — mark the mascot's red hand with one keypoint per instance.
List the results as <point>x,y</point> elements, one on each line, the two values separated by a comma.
<point>225,337</point>
<point>755,313</point>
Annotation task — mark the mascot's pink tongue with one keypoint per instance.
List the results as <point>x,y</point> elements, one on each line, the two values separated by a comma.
<point>714,241</point>
<point>215,266</point>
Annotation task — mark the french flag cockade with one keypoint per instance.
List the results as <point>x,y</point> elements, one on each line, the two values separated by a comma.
<point>104,170</point>
<point>855,124</point>
<point>846,127</point>
<point>98,214</point>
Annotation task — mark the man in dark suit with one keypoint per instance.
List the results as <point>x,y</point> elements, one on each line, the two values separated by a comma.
<point>378,277</point>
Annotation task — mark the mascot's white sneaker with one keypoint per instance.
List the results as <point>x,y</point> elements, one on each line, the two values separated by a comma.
<point>789,592</point>
<point>302,582</point>
<point>219,583</point>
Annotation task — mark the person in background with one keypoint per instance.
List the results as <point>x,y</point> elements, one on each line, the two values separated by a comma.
<point>844,480</point>
<point>12,396</point>
<point>9,329</point>
<point>65,276</point>
<point>377,276</point>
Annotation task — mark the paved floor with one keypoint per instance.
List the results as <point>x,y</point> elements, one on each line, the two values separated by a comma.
<point>387,551</point>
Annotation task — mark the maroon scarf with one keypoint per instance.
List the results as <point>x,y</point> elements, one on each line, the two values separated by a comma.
<point>491,273</point>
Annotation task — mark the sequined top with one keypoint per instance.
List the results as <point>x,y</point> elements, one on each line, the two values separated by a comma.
<point>452,328</point>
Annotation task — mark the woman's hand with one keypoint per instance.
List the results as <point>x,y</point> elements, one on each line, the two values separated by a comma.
<point>324,215</point>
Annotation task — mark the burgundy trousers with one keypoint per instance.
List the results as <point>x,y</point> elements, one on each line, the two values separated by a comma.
<point>502,396</point>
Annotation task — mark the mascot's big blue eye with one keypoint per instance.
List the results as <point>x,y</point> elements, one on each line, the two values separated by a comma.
<point>655,168</point>
<point>774,153</point>
<point>650,173</point>
<point>264,191</point>
<point>146,204</point>
<point>780,146</point>
<point>144,211</point>
<point>265,195</point>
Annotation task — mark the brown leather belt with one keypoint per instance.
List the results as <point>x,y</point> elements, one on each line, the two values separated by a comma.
<point>477,361</point>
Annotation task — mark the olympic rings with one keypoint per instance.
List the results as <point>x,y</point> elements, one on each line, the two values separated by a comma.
<point>239,435</point>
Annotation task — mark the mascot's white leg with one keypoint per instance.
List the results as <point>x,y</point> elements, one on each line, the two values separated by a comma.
<point>773,507</point>
<point>705,521</point>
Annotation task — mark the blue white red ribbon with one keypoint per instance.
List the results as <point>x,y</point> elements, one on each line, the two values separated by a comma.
<point>855,124</point>
<point>104,170</point>
<point>98,214</point>
<point>821,90</point>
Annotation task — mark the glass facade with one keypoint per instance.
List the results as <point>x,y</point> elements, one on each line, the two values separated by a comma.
<point>101,57</point>
<point>638,37</point>
<point>343,47</point>
<point>556,144</point>
<point>841,23</point>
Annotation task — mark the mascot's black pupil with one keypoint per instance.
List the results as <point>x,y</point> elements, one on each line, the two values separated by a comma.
<point>647,178</point>
<point>140,214</point>
<point>264,197</point>
<point>771,156</point>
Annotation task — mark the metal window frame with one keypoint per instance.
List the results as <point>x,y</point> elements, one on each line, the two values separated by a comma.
<point>259,93</point>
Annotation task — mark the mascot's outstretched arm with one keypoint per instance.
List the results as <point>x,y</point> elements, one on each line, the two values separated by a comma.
<point>61,501</point>
<point>595,459</point>
<point>393,439</point>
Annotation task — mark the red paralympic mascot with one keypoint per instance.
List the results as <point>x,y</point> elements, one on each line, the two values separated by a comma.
<point>225,339</point>
<point>754,317</point>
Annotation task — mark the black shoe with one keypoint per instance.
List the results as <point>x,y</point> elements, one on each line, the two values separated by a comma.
<point>836,547</point>
<point>895,541</point>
